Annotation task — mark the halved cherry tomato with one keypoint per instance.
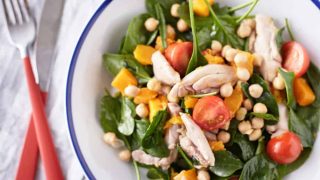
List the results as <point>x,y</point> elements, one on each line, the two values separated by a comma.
<point>211,113</point>
<point>295,58</point>
<point>178,55</point>
<point>285,148</point>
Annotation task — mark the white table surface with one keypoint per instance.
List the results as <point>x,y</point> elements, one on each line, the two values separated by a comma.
<point>14,101</point>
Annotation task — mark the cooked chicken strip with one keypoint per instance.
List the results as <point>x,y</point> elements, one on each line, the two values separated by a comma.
<point>172,137</point>
<point>266,46</point>
<point>144,158</point>
<point>210,69</point>
<point>203,78</point>
<point>174,109</point>
<point>282,125</point>
<point>163,70</point>
<point>197,137</point>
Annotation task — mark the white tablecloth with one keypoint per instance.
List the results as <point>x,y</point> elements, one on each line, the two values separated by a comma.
<point>14,100</point>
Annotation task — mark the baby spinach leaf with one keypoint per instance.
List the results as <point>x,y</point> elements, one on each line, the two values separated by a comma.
<point>126,123</point>
<point>299,126</point>
<point>269,118</point>
<point>153,141</point>
<point>196,59</point>
<point>288,80</point>
<point>110,113</point>
<point>261,146</point>
<point>115,62</point>
<point>166,6</point>
<point>157,174</point>
<point>259,167</point>
<point>246,146</point>
<point>224,29</point>
<point>311,115</point>
<point>185,157</point>
<point>141,127</point>
<point>153,37</point>
<point>266,98</point>
<point>226,164</point>
<point>279,38</point>
<point>286,169</point>
<point>136,34</point>
<point>313,76</point>
<point>162,25</point>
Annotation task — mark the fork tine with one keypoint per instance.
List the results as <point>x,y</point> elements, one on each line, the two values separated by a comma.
<point>8,12</point>
<point>17,11</point>
<point>24,10</point>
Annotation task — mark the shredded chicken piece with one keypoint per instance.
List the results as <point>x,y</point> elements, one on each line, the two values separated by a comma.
<point>203,78</point>
<point>266,46</point>
<point>174,109</point>
<point>282,125</point>
<point>198,139</point>
<point>144,158</point>
<point>172,136</point>
<point>163,70</point>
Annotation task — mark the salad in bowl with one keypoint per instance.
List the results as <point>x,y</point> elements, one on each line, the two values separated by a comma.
<point>200,92</point>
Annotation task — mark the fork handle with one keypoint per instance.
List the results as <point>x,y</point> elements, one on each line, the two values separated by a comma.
<point>30,153</point>
<point>45,142</point>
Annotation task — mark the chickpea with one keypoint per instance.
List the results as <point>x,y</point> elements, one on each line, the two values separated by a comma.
<point>260,108</point>
<point>244,126</point>
<point>255,90</point>
<point>278,83</point>
<point>257,123</point>
<point>224,136</point>
<point>241,58</point>
<point>203,175</point>
<point>171,33</point>
<point>243,74</point>
<point>151,24</point>
<point>154,85</point>
<point>182,25</point>
<point>131,91</point>
<point>125,155</point>
<point>244,31</point>
<point>174,10</point>
<point>230,54</point>
<point>226,90</point>
<point>241,114</point>
<point>247,104</point>
<point>111,139</point>
<point>216,46</point>
<point>142,110</point>
<point>224,50</point>
<point>255,135</point>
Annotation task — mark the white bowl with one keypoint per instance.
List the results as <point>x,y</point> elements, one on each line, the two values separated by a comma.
<point>87,79</point>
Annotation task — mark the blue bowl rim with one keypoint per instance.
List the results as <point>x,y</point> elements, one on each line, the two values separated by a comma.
<point>72,66</point>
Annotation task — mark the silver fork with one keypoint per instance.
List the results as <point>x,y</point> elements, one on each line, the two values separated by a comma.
<point>22,30</point>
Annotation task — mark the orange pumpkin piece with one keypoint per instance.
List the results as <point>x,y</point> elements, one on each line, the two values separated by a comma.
<point>123,79</point>
<point>217,145</point>
<point>157,104</point>
<point>302,92</point>
<point>144,96</point>
<point>174,120</point>
<point>234,101</point>
<point>159,46</point>
<point>190,102</point>
<point>143,54</point>
<point>186,175</point>
<point>200,7</point>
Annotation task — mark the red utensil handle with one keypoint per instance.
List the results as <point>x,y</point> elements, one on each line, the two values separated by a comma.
<point>30,153</point>
<point>45,142</point>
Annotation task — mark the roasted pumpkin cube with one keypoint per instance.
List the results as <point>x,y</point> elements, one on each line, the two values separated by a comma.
<point>156,105</point>
<point>302,92</point>
<point>186,175</point>
<point>234,101</point>
<point>143,54</point>
<point>190,102</point>
<point>144,96</point>
<point>123,79</point>
<point>200,7</point>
